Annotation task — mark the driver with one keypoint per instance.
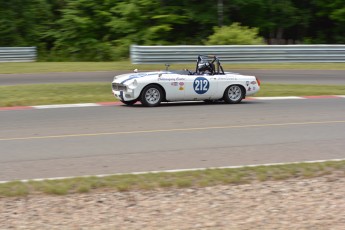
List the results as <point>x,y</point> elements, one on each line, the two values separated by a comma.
<point>206,68</point>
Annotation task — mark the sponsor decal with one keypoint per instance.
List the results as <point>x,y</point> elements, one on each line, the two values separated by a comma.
<point>253,83</point>
<point>227,78</point>
<point>249,89</point>
<point>201,85</point>
<point>181,85</point>
<point>170,79</point>
<point>166,79</point>
<point>247,83</point>
<point>253,87</point>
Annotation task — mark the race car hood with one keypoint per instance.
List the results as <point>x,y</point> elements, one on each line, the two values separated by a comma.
<point>129,76</point>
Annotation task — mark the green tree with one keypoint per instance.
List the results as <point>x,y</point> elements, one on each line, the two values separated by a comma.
<point>235,34</point>
<point>86,30</point>
<point>327,26</point>
<point>81,33</point>
<point>104,30</point>
<point>277,20</point>
<point>24,23</point>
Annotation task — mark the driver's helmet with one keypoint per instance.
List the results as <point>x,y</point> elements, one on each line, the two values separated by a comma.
<point>205,66</point>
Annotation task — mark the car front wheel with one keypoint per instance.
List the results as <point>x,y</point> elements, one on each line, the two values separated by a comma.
<point>234,94</point>
<point>151,95</point>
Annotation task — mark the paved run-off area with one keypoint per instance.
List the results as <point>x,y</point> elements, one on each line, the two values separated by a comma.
<point>316,203</point>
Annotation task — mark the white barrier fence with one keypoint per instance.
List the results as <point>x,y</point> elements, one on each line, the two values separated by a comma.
<point>238,53</point>
<point>18,54</point>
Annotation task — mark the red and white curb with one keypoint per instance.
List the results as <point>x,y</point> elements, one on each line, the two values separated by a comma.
<point>79,105</point>
<point>57,106</point>
<point>180,170</point>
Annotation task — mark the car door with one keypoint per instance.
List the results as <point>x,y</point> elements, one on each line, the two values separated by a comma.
<point>174,86</point>
<point>200,87</point>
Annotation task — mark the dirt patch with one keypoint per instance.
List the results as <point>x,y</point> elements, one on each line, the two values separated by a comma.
<point>316,203</point>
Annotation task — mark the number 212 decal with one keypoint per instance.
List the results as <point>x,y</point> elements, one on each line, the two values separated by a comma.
<point>201,85</point>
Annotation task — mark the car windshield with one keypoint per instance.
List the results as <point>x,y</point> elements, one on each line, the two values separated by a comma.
<point>204,59</point>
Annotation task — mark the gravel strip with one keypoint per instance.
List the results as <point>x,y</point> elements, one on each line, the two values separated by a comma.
<point>317,203</point>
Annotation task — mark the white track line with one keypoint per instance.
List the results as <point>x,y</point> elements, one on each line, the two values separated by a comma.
<point>177,170</point>
<point>118,103</point>
<point>278,98</point>
<point>65,106</point>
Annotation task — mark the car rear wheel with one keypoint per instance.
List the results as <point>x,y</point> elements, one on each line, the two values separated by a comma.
<point>234,94</point>
<point>151,95</point>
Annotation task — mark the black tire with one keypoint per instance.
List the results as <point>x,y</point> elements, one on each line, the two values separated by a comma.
<point>151,96</point>
<point>234,94</point>
<point>129,102</point>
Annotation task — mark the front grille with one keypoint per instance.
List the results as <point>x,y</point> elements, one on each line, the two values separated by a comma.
<point>119,87</point>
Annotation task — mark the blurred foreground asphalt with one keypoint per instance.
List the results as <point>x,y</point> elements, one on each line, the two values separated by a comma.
<point>123,139</point>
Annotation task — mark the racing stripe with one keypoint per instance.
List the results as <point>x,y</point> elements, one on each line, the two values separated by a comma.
<point>133,77</point>
<point>142,75</point>
<point>121,95</point>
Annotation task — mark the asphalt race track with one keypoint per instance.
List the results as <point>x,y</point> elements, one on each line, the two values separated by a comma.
<point>119,139</point>
<point>330,77</point>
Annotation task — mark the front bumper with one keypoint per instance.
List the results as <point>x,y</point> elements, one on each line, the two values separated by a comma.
<point>122,92</point>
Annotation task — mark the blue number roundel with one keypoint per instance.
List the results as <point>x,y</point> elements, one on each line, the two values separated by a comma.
<point>201,85</point>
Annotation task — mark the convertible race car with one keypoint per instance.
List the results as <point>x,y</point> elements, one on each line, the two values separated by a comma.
<point>208,83</point>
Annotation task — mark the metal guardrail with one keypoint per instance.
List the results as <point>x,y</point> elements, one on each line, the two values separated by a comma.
<point>18,54</point>
<point>239,53</point>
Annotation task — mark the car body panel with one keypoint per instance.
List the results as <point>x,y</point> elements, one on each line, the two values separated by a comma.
<point>181,87</point>
<point>208,82</point>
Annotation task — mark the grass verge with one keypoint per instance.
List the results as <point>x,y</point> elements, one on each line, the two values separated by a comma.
<point>43,94</point>
<point>151,181</point>
<point>44,67</point>
<point>272,90</point>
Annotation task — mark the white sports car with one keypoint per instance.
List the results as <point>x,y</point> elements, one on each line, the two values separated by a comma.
<point>208,83</point>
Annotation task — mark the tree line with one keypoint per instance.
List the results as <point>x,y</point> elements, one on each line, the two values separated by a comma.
<point>102,30</point>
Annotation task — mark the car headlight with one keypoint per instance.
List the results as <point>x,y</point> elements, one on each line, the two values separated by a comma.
<point>133,84</point>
